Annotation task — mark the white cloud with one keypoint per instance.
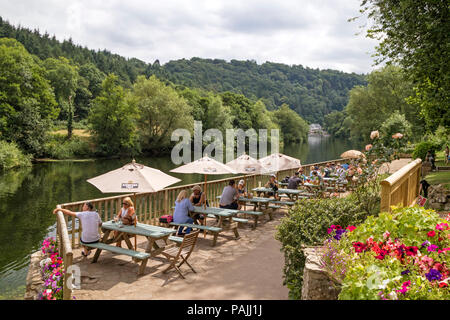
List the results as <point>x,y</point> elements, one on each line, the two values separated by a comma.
<point>314,33</point>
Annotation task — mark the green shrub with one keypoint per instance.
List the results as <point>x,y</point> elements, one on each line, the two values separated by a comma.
<point>11,156</point>
<point>307,225</point>
<point>60,148</point>
<point>423,147</point>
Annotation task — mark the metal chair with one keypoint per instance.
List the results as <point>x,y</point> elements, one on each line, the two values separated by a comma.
<point>182,252</point>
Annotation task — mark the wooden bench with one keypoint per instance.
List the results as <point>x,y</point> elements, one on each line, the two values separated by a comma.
<point>136,255</point>
<point>283,203</point>
<point>255,215</point>
<point>241,220</point>
<point>214,230</point>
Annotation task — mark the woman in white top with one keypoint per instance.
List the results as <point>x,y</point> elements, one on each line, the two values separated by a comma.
<point>126,215</point>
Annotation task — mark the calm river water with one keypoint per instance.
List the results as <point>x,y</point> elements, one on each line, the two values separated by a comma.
<point>27,197</point>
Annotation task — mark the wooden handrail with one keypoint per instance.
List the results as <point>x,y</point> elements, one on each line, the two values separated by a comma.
<point>65,249</point>
<point>402,187</point>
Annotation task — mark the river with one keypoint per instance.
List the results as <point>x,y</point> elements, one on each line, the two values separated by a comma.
<point>27,197</point>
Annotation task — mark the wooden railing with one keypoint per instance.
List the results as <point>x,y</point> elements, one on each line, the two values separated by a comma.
<point>65,249</point>
<point>150,206</point>
<point>402,187</point>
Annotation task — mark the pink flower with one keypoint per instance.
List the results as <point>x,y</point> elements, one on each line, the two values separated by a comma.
<point>368,147</point>
<point>442,226</point>
<point>386,235</point>
<point>398,135</point>
<point>431,234</point>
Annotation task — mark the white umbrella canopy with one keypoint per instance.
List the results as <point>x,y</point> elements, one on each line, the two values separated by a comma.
<point>133,177</point>
<point>205,165</point>
<point>352,154</point>
<point>278,161</point>
<point>247,164</point>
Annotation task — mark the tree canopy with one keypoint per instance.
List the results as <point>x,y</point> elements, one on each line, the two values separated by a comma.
<point>416,35</point>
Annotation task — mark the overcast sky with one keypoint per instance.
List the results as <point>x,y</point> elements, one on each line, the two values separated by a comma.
<point>313,33</point>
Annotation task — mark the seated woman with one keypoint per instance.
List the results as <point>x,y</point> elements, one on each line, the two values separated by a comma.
<point>273,184</point>
<point>90,220</point>
<point>198,198</point>
<point>181,213</point>
<point>242,190</point>
<point>126,215</point>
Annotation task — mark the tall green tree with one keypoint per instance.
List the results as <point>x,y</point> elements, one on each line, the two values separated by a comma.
<point>64,79</point>
<point>293,128</point>
<point>113,120</point>
<point>387,91</point>
<point>416,35</point>
<point>161,111</point>
<point>27,102</point>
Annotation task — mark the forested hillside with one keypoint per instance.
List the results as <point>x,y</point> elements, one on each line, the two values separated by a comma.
<point>312,93</point>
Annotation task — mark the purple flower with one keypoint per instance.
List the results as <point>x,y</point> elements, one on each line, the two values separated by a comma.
<point>426,243</point>
<point>405,272</point>
<point>433,275</point>
<point>432,248</point>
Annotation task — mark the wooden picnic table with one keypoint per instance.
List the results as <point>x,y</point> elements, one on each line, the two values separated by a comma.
<point>291,193</point>
<point>156,236</point>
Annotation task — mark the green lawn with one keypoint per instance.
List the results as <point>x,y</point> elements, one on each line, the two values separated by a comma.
<point>441,177</point>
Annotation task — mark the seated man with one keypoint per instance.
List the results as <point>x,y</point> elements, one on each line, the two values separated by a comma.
<point>228,199</point>
<point>301,174</point>
<point>294,181</point>
<point>90,220</point>
<point>273,184</point>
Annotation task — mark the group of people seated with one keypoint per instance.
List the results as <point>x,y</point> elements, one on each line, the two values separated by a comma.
<point>342,172</point>
<point>184,205</point>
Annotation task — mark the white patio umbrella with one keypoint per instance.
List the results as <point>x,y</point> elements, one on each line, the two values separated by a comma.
<point>206,166</point>
<point>133,177</point>
<point>352,154</point>
<point>247,165</point>
<point>278,162</point>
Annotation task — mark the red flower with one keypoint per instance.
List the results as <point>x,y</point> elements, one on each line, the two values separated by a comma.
<point>431,234</point>
<point>443,285</point>
<point>411,251</point>
<point>359,246</point>
<point>351,228</point>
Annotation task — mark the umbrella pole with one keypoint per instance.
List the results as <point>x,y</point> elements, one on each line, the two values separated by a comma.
<point>204,204</point>
<point>135,220</point>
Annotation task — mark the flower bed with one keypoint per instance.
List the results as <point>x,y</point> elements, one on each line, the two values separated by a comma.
<point>52,272</point>
<point>400,255</point>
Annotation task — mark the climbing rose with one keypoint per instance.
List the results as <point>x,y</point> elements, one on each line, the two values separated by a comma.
<point>398,135</point>
<point>374,134</point>
<point>368,147</point>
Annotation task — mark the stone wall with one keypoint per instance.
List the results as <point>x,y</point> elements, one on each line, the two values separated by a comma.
<point>439,198</point>
<point>34,278</point>
<point>316,284</point>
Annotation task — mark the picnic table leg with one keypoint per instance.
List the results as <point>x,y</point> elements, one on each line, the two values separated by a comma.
<point>142,266</point>
<point>98,251</point>
<point>256,222</point>
<point>127,241</point>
